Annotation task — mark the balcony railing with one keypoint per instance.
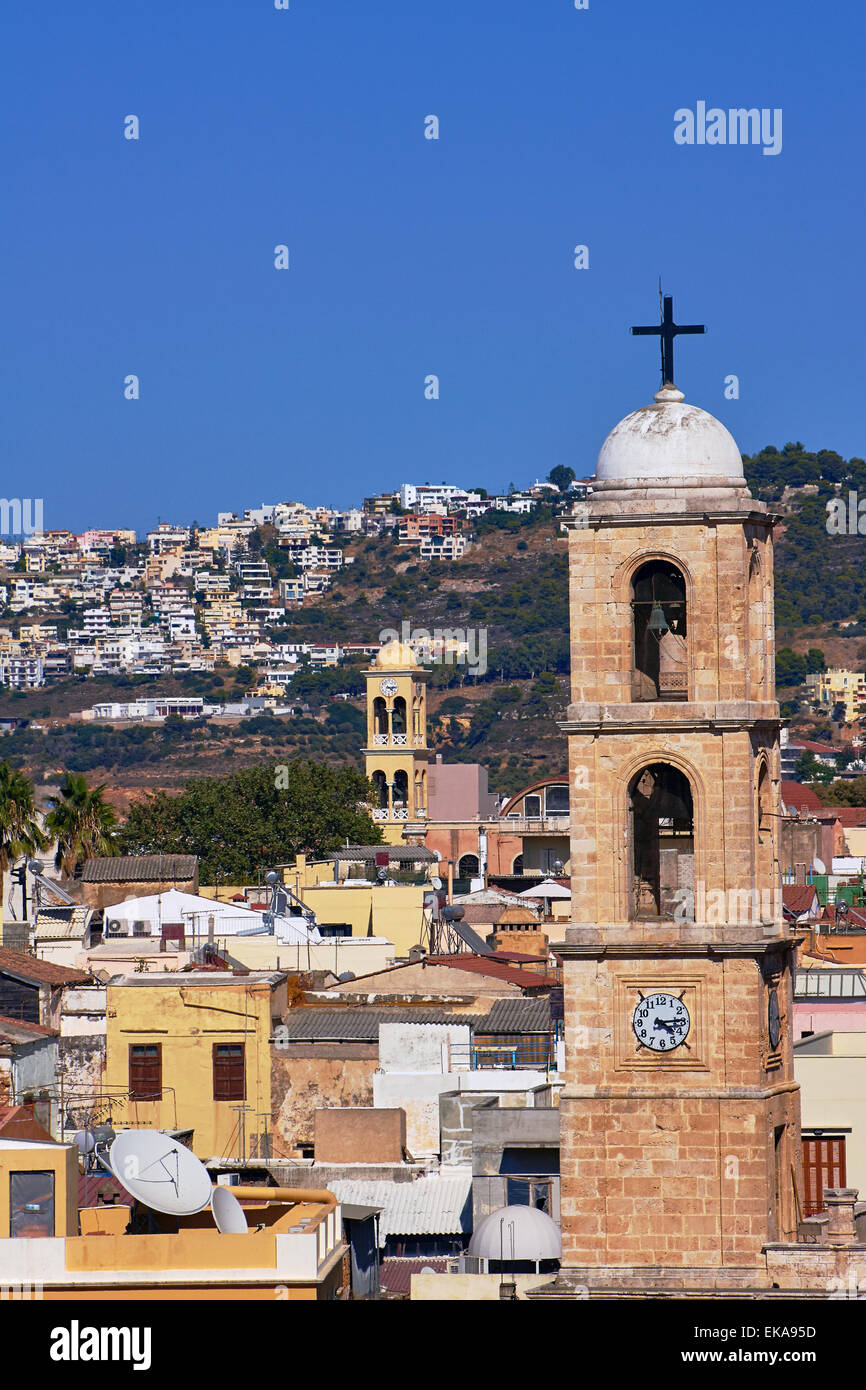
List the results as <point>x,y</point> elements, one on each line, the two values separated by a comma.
<point>537,825</point>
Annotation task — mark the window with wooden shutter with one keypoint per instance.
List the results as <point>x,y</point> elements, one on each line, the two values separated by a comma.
<point>823,1166</point>
<point>228,1071</point>
<point>145,1071</point>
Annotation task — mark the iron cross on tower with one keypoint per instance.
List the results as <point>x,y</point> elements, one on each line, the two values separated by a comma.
<point>667,330</point>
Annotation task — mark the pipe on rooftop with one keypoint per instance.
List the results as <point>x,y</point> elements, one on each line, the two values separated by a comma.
<point>284,1194</point>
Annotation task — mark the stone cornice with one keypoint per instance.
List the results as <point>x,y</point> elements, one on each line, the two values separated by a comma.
<point>595,521</point>
<point>629,1092</point>
<point>658,950</point>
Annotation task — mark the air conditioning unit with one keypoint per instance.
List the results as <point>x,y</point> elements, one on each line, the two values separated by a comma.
<point>140,928</point>
<point>115,928</point>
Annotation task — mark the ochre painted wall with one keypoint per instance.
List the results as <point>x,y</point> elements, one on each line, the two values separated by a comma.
<point>187,1020</point>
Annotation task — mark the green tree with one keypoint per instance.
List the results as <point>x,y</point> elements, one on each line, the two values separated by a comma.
<point>20,832</point>
<point>82,822</point>
<point>808,769</point>
<point>261,816</point>
<point>561,476</point>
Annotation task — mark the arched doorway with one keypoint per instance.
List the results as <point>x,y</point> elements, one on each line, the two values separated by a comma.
<point>661,817</point>
<point>660,669</point>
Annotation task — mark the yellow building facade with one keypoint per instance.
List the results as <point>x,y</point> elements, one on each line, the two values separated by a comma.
<point>839,687</point>
<point>396,755</point>
<point>186,1050</point>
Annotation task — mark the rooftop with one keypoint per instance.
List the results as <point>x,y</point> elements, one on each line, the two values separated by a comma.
<point>21,966</point>
<point>140,868</point>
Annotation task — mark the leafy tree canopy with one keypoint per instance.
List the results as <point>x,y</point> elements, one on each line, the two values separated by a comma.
<point>246,821</point>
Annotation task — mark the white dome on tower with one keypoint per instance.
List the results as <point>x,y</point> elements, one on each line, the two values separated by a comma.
<point>668,441</point>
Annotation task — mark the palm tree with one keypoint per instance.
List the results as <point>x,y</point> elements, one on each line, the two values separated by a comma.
<point>20,832</point>
<point>83,823</point>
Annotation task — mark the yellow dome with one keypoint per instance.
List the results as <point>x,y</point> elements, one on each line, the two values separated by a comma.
<point>396,656</point>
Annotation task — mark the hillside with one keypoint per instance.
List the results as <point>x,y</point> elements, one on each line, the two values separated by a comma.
<point>508,591</point>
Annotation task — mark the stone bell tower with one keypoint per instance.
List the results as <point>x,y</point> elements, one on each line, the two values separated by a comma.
<point>396,755</point>
<point>680,1115</point>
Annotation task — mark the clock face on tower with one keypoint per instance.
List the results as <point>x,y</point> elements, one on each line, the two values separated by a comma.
<point>661,1022</point>
<point>774,1020</point>
<point>388,686</point>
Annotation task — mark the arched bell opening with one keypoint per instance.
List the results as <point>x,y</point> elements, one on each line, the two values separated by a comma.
<point>764,826</point>
<point>398,718</point>
<point>380,716</point>
<point>661,817</point>
<point>401,789</point>
<point>380,790</point>
<point>660,665</point>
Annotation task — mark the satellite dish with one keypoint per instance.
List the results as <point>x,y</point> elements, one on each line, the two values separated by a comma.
<point>436,883</point>
<point>228,1212</point>
<point>84,1141</point>
<point>819,866</point>
<point>160,1172</point>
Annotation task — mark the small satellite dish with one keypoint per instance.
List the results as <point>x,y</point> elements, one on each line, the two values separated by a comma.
<point>84,1141</point>
<point>160,1172</point>
<point>228,1212</point>
<point>436,883</point>
<point>819,866</point>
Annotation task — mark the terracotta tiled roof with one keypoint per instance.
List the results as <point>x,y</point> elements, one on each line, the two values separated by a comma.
<point>497,969</point>
<point>22,966</point>
<point>797,797</point>
<point>849,815</point>
<point>395,1275</point>
<point>798,897</point>
<point>856,918</point>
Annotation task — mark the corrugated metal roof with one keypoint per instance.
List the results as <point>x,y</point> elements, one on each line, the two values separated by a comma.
<point>430,1206</point>
<point>140,868</point>
<point>830,984</point>
<point>61,923</point>
<point>359,1024</point>
<point>17,1030</point>
<point>517,1016</point>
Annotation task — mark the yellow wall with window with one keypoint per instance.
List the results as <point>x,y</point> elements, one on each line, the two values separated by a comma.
<point>186,1017</point>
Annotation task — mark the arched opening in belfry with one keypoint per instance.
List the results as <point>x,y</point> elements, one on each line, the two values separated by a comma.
<point>764,818</point>
<point>401,788</point>
<point>660,665</point>
<point>661,813</point>
<point>380,790</point>
<point>398,718</point>
<point>380,716</point>
<point>757,654</point>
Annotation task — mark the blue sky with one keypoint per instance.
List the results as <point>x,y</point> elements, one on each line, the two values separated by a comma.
<point>411,256</point>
